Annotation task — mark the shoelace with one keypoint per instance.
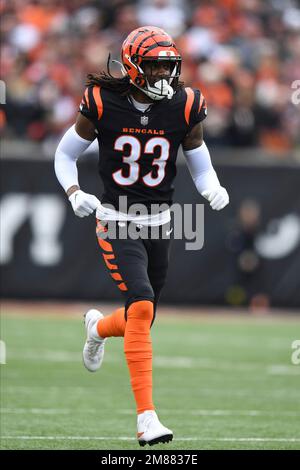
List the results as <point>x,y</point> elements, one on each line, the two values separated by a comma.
<point>93,347</point>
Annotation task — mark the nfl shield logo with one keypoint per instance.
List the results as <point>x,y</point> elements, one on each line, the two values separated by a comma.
<point>144,120</point>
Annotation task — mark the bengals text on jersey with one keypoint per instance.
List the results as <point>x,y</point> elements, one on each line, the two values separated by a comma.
<point>138,150</point>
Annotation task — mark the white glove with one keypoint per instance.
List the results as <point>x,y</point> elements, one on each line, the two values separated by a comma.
<point>218,197</point>
<point>83,204</point>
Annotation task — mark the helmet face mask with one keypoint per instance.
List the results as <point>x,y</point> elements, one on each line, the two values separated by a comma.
<point>152,62</point>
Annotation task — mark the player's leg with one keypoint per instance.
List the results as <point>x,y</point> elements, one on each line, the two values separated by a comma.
<point>127,262</point>
<point>158,255</point>
<point>150,430</point>
<point>137,340</point>
<point>113,324</point>
<point>129,259</point>
<point>158,259</point>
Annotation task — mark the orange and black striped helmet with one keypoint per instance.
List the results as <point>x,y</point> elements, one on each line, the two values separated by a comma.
<point>149,43</point>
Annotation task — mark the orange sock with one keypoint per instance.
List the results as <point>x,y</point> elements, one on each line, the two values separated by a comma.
<point>112,325</point>
<point>138,352</point>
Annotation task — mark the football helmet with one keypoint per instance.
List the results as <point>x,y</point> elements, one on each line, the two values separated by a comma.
<point>149,45</point>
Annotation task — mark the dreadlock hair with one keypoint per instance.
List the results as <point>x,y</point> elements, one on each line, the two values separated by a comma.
<point>107,81</point>
<point>119,85</point>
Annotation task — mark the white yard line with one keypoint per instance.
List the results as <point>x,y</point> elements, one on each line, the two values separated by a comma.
<point>175,362</point>
<point>125,438</point>
<point>196,412</point>
<point>217,412</point>
<point>280,369</point>
<point>36,411</point>
<point>232,392</point>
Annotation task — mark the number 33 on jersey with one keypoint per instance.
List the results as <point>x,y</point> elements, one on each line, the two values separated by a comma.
<point>138,150</point>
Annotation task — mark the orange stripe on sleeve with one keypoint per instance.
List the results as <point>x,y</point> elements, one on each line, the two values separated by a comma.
<point>86,94</point>
<point>98,101</point>
<point>189,103</point>
<point>200,102</point>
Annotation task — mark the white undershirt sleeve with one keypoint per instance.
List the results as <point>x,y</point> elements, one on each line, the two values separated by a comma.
<point>201,169</point>
<point>69,149</point>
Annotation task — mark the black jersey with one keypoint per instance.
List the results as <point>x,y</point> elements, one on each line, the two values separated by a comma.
<point>138,150</point>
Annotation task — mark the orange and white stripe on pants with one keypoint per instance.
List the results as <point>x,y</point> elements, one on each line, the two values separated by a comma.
<point>109,257</point>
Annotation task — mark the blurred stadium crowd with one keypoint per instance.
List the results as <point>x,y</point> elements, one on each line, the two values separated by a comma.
<point>243,54</point>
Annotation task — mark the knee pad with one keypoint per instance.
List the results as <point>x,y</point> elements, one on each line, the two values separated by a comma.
<point>141,309</point>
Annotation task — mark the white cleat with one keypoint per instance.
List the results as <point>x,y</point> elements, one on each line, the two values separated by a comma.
<point>150,430</point>
<point>93,351</point>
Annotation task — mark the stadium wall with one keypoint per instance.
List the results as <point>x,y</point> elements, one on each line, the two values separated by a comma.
<point>252,248</point>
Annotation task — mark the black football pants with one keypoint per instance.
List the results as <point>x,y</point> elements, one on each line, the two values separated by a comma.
<point>139,267</point>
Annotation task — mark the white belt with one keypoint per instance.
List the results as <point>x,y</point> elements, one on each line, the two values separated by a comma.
<point>151,220</point>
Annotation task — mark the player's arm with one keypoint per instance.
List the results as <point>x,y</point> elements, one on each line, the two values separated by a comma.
<point>194,138</point>
<point>201,169</point>
<point>73,143</point>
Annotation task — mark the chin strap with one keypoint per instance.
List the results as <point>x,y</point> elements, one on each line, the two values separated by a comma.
<point>160,90</point>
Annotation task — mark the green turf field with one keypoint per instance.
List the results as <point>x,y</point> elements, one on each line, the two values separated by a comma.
<point>223,383</point>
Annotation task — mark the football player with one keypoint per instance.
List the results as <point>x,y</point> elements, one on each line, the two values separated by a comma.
<point>139,120</point>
